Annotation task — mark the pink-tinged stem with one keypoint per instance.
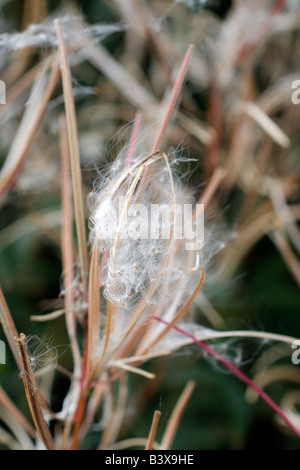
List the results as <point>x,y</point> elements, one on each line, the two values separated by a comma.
<point>133,139</point>
<point>170,107</point>
<point>238,373</point>
<point>173,99</point>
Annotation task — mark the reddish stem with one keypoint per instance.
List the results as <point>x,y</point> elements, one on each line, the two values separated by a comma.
<point>81,407</point>
<point>239,374</point>
<point>133,139</point>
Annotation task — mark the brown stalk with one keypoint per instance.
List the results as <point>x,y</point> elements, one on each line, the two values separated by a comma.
<point>131,89</point>
<point>10,171</point>
<point>74,154</point>
<point>67,241</point>
<point>93,315</point>
<point>93,406</point>
<point>152,433</point>
<point>175,418</point>
<point>133,139</point>
<point>173,99</point>
<point>116,420</point>
<point>33,395</point>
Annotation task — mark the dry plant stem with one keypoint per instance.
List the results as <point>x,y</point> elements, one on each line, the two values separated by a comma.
<point>78,419</point>
<point>19,417</point>
<point>8,326</point>
<point>67,242</point>
<point>112,431</point>
<point>240,375</point>
<point>109,406</point>
<point>134,92</point>
<point>33,396</point>
<point>93,406</point>
<point>10,173</point>
<point>74,154</point>
<point>176,416</point>
<point>93,315</point>
<point>248,334</point>
<point>173,99</point>
<point>82,402</point>
<point>267,124</point>
<point>48,316</point>
<point>133,139</point>
<point>152,433</point>
<point>135,370</point>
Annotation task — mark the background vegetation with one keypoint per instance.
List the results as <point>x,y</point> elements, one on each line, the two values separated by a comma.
<point>254,284</point>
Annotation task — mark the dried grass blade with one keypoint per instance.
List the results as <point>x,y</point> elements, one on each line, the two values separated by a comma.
<point>33,395</point>
<point>93,314</point>
<point>152,433</point>
<point>67,243</point>
<point>74,153</point>
<point>26,134</point>
<point>48,316</point>
<point>173,99</point>
<point>176,416</point>
<point>267,124</point>
<point>133,369</point>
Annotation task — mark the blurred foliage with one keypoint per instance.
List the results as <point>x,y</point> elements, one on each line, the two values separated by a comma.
<point>262,296</point>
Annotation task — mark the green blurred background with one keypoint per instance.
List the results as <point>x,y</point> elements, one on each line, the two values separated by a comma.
<point>261,296</point>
